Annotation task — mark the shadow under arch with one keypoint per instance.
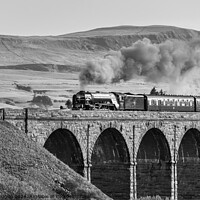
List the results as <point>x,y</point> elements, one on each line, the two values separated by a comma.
<point>63,144</point>
<point>153,165</point>
<point>110,164</point>
<point>188,166</point>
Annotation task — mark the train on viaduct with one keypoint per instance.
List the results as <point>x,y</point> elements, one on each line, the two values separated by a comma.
<point>126,154</point>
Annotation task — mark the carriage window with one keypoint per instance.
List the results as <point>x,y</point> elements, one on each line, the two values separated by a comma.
<point>161,102</point>
<point>153,102</point>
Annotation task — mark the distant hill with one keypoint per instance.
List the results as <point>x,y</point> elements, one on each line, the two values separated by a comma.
<point>141,31</point>
<point>71,51</point>
<point>28,171</point>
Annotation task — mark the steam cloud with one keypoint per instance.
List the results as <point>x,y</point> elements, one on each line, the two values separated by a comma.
<point>172,61</point>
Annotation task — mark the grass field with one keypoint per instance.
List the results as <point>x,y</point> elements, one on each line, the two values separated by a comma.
<point>58,86</point>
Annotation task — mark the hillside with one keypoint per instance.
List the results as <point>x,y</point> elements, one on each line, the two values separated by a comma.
<point>28,171</point>
<point>73,50</point>
<point>54,63</point>
<point>135,30</point>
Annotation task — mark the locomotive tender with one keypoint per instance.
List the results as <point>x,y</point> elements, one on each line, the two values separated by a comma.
<point>134,102</point>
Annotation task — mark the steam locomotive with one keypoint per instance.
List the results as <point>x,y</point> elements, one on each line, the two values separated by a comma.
<point>134,102</point>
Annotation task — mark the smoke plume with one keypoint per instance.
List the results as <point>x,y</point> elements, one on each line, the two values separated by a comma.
<point>172,61</point>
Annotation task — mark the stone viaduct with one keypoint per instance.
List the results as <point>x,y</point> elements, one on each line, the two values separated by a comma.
<point>126,154</point>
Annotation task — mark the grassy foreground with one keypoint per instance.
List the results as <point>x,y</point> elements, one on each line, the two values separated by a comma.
<point>28,171</point>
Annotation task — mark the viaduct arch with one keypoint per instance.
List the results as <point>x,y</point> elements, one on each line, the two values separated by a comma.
<point>188,165</point>
<point>153,165</point>
<point>63,144</point>
<point>110,164</point>
<point>145,144</point>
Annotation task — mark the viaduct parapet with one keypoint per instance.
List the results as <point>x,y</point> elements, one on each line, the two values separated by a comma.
<point>126,154</point>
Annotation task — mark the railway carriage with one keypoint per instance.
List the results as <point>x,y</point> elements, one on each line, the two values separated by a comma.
<point>171,103</point>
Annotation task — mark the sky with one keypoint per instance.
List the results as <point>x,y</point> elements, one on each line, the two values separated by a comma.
<point>57,17</point>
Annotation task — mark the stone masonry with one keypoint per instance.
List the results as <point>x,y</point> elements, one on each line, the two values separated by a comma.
<point>126,154</point>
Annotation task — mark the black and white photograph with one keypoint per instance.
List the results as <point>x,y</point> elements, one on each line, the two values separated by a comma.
<point>99,100</point>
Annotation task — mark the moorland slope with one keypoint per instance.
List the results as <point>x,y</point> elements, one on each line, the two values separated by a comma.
<point>71,51</point>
